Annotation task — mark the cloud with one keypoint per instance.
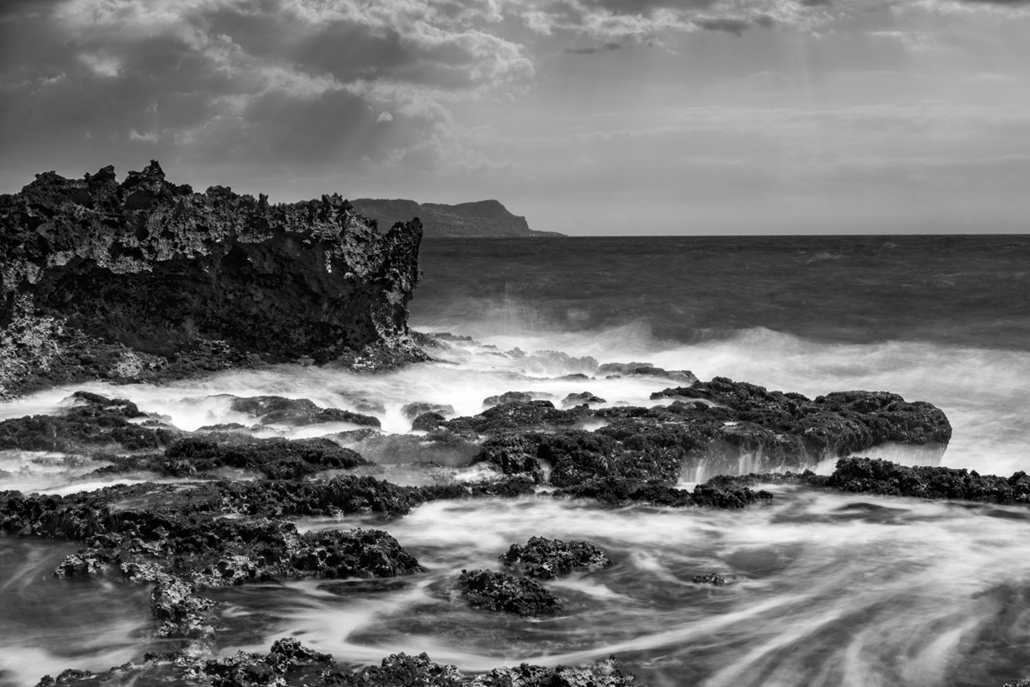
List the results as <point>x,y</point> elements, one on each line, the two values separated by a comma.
<point>268,81</point>
<point>148,137</point>
<point>607,47</point>
<point>734,26</point>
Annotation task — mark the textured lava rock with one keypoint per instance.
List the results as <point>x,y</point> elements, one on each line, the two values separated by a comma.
<point>427,422</point>
<point>546,558</point>
<point>833,425</point>
<point>866,475</point>
<point>147,279</point>
<point>290,664</point>
<point>503,592</point>
<point>277,458</point>
<point>94,422</point>
<point>508,397</point>
<point>580,398</point>
<point>713,579</point>
<point>621,491</point>
<point>297,412</point>
<point>413,410</point>
<point>644,369</point>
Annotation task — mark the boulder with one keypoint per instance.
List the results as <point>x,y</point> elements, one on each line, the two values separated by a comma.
<point>413,410</point>
<point>581,398</point>
<point>546,558</point>
<point>496,591</point>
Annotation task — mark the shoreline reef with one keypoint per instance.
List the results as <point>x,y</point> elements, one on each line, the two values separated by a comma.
<point>147,281</point>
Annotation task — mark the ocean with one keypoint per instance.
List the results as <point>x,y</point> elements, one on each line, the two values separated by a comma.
<point>829,589</point>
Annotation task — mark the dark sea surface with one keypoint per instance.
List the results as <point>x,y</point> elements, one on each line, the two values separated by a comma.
<point>958,290</point>
<point>829,590</point>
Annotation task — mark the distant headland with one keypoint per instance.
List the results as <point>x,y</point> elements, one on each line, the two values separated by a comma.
<point>486,218</point>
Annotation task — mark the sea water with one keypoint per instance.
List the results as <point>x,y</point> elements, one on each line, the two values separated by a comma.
<point>827,589</point>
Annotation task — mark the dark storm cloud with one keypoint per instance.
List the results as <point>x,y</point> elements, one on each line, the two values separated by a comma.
<point>607,47</point>
<point>644,7</point>
<point>734,26</point>
<point>262,81</point>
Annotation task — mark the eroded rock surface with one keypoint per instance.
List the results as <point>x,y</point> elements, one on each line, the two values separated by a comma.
<point>291,664</point>
<point>546,558</point>
<point>146,279</point>
<point>496,591</point>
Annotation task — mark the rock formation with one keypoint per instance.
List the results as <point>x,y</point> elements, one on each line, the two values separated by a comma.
<point>485,218</point>
<point>146,279</point>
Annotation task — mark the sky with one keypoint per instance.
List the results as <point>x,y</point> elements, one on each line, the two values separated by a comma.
<point>586,116</point>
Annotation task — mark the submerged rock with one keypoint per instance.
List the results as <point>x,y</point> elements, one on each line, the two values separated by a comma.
<point>147,280</point>
<point>546,558</point>
<point>496,591</point>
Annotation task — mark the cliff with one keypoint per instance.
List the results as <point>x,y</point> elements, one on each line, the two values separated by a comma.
<point>145,279</point>
<point>486,218</point>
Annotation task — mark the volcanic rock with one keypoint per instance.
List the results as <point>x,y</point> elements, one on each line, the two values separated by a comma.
<point>290,664</point>
<point>147,280</point>
<point>546,558</point>
<point>580,398</point>
<point>413,410</point>
<point>645,369</point>
<point>296,412</point>
<point>94,422</point>
<point>508,397</point>
<point>503,592</point>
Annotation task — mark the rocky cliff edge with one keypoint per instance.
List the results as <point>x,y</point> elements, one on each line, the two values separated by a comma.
<point>146,279</point>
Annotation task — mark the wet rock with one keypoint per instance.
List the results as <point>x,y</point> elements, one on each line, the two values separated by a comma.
<point>621,491</point>
<point>440,445</point>
<point>509,417</point>
<point>603,674</point>
<point>577,456</point>
<point>645,369</point>
<point>546,558</point>
<point>277,458</point>
<point>508,397</point>
<point>236,279</point>
<point>94,423</point>
<point>513,454</point>
<point>865,475</point>
<point>185,614</point>
<point>275,410</point>
<point>402,669</point>
<point>414,410</point>
<point>834,425</point>
<point>291,664</point>
<point>503,592</point>
<point>580,398</point>
<point>427,422</point>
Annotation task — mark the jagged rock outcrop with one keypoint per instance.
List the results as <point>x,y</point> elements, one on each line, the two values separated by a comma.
<point>146,279</point>
<point>485,218</point>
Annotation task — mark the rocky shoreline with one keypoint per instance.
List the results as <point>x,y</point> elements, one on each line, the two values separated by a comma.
<point>147,281</point>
